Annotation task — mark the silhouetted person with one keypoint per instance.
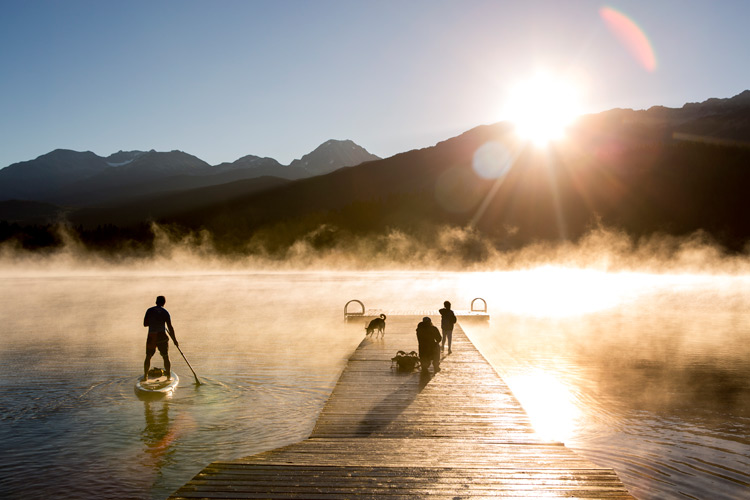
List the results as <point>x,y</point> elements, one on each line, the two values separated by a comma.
<point>429,344</point>
<point>447,320</point>
<point>159,323</point>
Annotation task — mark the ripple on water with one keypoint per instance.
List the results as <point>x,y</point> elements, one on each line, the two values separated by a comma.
<point>225,417</point>
<point>653,449</point>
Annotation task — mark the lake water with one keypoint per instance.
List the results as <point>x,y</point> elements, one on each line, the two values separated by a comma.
<point>646,373</point>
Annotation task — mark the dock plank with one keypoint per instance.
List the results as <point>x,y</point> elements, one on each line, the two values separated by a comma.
<point>459,433</point>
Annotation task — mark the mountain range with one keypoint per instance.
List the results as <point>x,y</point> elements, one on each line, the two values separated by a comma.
<point>76,179</point>
<point>669,171</point>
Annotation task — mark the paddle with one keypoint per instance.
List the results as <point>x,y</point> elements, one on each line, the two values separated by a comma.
<point>197,382</point>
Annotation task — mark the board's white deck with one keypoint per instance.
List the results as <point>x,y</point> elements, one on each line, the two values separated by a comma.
<point>160,384</point>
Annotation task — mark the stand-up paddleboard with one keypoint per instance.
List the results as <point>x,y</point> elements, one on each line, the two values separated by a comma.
<point>160,386</point>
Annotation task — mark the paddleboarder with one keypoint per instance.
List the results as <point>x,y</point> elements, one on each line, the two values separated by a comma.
<point>159,323</point>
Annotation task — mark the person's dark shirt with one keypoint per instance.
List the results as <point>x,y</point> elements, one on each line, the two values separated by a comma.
<point>447,319</point>
<point>156,319</point>
<point>428,337</point>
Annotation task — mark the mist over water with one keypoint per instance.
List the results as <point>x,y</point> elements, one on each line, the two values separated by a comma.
<point>438,248</point>
<point>646,372</point>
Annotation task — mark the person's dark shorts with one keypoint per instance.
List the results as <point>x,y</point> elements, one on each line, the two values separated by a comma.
<point>157,339</point>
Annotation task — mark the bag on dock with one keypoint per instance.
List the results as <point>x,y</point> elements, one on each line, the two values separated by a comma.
<point>405,362</point>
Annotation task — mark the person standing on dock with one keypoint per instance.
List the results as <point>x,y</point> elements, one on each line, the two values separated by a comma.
<point>429,342</point>
<point>158,321</point>
<point>447,320</point>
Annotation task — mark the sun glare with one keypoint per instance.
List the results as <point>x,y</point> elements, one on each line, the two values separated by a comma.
<point>549,404</point>
<point>554,291</point>
<point>542,107</point>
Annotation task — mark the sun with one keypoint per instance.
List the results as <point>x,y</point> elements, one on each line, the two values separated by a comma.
<point>541,107</point>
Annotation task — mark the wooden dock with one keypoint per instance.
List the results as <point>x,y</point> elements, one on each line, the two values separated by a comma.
<point>457,434</point>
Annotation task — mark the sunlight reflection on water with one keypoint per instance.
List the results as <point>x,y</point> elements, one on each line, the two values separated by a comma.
<point>548,402</point>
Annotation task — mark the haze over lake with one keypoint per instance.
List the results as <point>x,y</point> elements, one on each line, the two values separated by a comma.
<point>643,372</point>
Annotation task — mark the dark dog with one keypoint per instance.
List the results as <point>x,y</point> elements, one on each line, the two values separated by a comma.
<point>376,324</point>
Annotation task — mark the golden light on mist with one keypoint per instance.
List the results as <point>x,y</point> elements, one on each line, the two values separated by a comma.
<point>542,106</point>
<point>555,291</point>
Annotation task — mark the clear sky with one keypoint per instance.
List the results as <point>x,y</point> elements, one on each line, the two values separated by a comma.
<point>223,79</point>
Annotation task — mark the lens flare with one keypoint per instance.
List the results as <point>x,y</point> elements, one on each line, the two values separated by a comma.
<point>492,160</point>
<point>631,36</point>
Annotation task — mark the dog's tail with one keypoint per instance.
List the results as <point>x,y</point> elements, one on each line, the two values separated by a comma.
<point>382,316</point>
